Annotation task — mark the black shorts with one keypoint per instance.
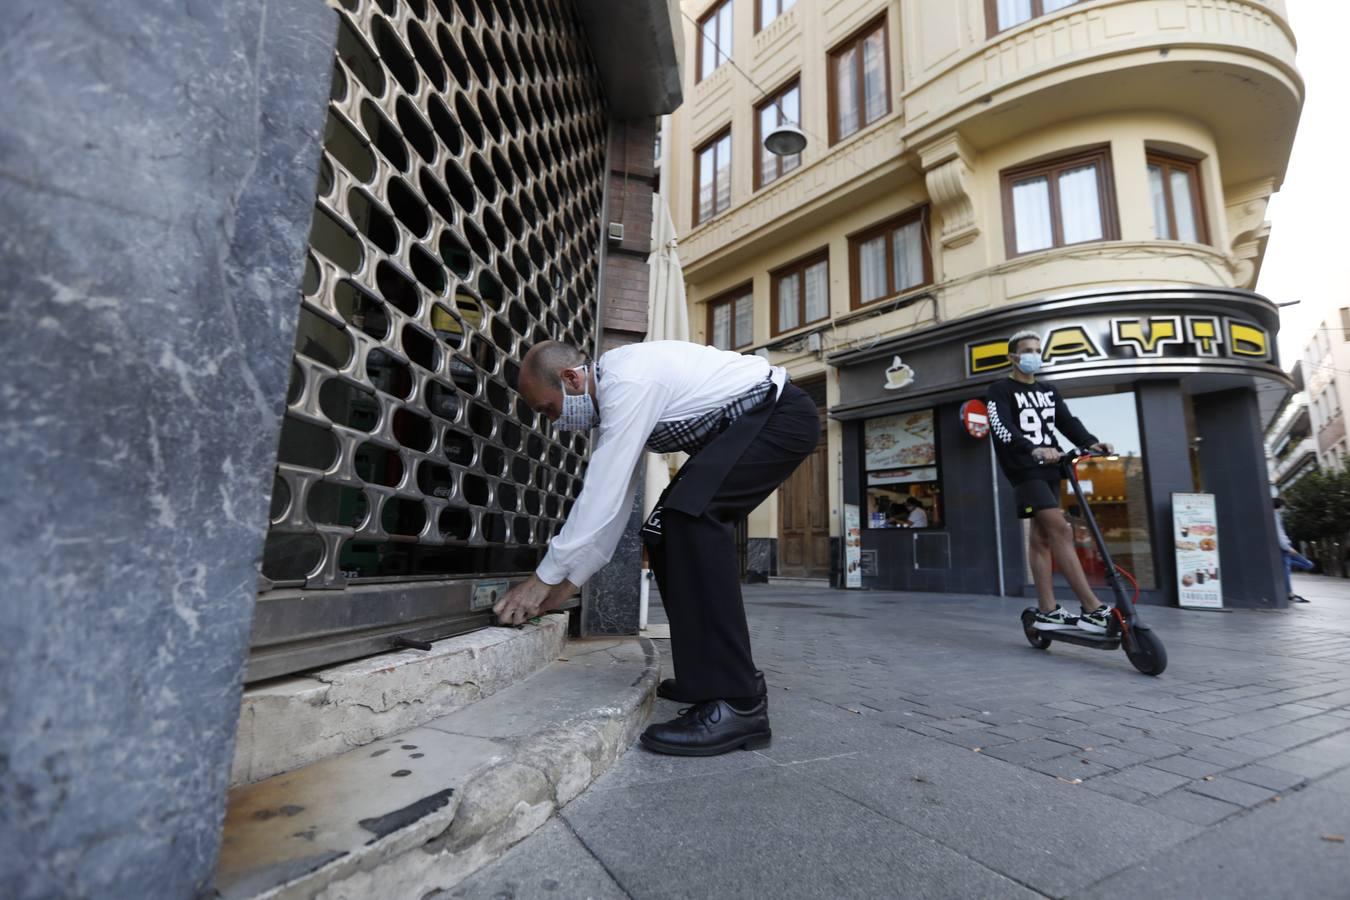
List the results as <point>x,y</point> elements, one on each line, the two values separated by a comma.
<point>1035,493</point>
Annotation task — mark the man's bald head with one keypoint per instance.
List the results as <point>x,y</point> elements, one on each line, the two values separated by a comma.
<point>542,377</point>
<point>545,362</point>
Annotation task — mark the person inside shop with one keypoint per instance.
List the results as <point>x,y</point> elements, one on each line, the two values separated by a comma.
<point>1024,417</point>
<point>918,516</point>
<point>747,427</point>
<point>1292,558</point>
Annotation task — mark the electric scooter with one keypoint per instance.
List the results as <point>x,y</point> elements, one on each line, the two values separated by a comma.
<point>1124,629</point>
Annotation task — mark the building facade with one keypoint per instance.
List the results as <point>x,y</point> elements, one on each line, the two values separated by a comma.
<point>1095,170</point>
<point>1326,360</point>
<point>1291,448</point>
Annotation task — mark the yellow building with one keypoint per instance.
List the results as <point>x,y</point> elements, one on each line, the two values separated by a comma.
<point>1096,170</point>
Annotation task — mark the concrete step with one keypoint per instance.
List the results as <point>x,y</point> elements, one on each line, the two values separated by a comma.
<point>290,722</point>
<point>420,810</point>
<point>788,581</point>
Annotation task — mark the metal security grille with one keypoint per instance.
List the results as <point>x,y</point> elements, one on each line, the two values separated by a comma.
<point>457,222</point>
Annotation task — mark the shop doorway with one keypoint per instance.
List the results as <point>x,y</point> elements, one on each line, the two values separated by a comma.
<point>803,506</point>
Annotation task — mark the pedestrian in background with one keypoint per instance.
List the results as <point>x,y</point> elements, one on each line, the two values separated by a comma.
<point>1292,558</point>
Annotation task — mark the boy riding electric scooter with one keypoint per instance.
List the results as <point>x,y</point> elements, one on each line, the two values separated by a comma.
<point>1024,416</point>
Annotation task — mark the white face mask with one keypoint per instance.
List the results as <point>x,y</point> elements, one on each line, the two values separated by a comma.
<point>1029,363</point>
<point>578,410</point>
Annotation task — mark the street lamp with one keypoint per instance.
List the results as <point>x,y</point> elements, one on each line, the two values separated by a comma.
<point>785,140</point>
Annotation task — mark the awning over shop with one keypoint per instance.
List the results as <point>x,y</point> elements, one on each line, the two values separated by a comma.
<point>669,317</point>
<point>1212,338</point>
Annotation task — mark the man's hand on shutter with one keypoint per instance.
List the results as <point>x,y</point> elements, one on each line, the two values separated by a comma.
<point>531,598</point>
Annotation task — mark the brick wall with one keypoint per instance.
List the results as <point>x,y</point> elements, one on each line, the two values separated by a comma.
<point>631,185</point>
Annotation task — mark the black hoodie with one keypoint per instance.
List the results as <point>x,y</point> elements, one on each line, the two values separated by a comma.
<point>1023,417</point>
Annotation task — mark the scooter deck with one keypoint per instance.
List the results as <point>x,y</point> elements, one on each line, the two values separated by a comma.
<point>1085,639</point>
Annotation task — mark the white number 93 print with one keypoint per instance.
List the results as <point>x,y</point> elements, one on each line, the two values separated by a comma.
<point>1038,425</point>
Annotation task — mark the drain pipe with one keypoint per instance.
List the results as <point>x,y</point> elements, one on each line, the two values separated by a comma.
<point>644,597</point>
<point>998,519</point>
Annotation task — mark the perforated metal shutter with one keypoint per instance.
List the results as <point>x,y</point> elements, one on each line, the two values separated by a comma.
<point>458,221</point>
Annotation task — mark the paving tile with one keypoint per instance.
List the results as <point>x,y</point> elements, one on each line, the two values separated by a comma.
<point>1151,747</point>
<point>1267,777</point>
<point>549,864</point>
<point>1338,782</point>
<point>1017,822</point>
<point>1069,768</point>
<point>1293,859</point>
<point>1145,779</point>
<point>1223,756</point>
<point>1034,750</point>
<point>804,728</point>
<point>1309,765</point>
<point>1117,730</point>
<point>1231,790</point>
<point>1114,757</point>
<point>1158,704</point>
<point>1020,731</point>
<point>1187,765</point>
<point>1189,806</point>
<point>1287,736</point>
<point>1083,738</point>
<point>853,850</point>
<point>1190,715</point>
<point>1119,791</point>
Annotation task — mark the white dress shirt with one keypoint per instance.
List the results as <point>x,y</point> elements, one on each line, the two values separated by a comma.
<point>639,386</point>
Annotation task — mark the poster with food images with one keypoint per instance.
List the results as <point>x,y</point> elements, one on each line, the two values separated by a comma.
<point>853,545</point>
<point>903,441</point>
<point>1195,536</point>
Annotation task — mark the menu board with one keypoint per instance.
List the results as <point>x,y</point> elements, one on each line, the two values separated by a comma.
<point>1195,535</point>
<point>852,546</point>
<point>900,442</point>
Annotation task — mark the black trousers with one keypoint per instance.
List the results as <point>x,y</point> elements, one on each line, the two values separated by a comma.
<point>696,565</point>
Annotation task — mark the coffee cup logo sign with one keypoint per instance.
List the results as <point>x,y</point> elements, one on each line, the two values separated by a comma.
<point>898,375</point>
<point>1133,337</point>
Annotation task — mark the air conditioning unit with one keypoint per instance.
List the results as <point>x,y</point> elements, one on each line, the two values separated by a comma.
<point>616,232</point>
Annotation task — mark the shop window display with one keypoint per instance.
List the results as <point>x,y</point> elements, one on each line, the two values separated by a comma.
<point>1117,489</point>
<point>902,476</point>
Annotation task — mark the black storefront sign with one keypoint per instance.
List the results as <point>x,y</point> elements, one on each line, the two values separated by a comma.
<point>1190,355</point>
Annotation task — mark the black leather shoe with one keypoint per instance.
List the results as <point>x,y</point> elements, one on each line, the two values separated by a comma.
<point>670,689</point>
<point>709,729</point>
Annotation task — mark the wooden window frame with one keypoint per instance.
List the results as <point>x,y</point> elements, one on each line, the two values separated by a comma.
<point>1181,163</point>
<point>798,267</point>
<point>887,228</point>
<point>729,298</point>
<point>698,154</point>
<point>1050,167</point>
<point>794,82</point>
<point>881,22</point>
<point>759,20</point>
<point>1037,12</point>
<point>698,35</point>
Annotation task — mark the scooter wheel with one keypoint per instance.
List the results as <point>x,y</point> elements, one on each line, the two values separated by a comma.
<point>1036,638</point>
<point>1146,652</point>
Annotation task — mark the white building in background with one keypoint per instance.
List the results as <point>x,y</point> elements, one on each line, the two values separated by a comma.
<point>1291,447</point>
<point>1326,361</point>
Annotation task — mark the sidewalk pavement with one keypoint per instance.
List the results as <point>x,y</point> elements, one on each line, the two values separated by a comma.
<point>923,749</point>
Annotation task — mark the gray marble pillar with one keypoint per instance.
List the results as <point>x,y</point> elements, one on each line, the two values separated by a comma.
<point>158,163</point>
<point>609,601</point>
